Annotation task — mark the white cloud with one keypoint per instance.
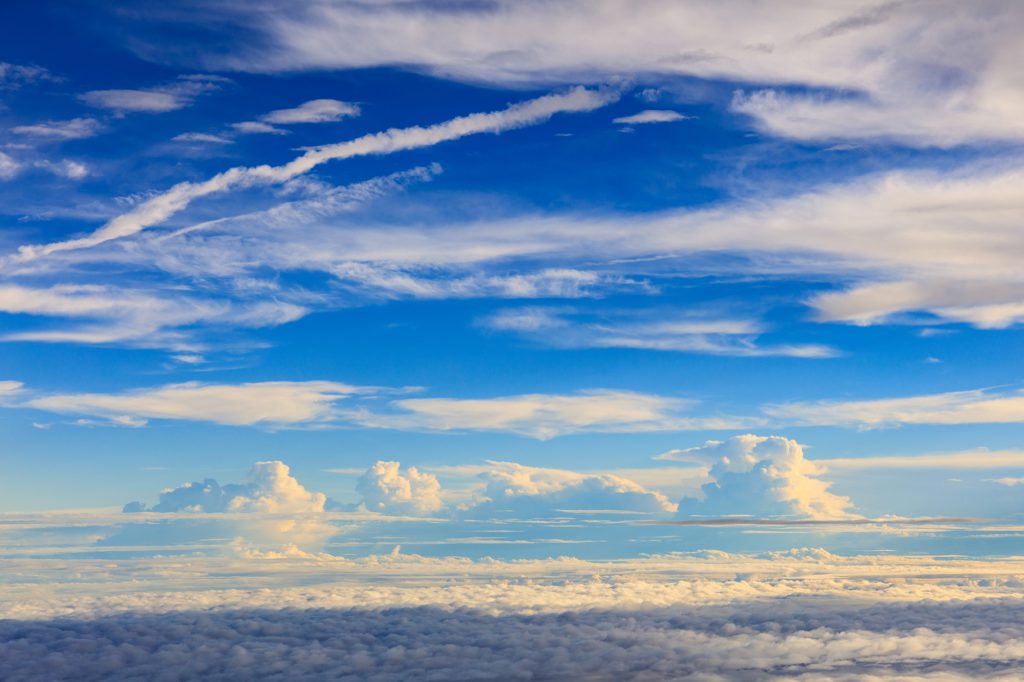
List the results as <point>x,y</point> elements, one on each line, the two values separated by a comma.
<point>1009,481</point>
<point>146,318</point>
<point>162,206</point>
<point>201,137</point>
<point>8,167</point>
<point>651,116</point>
<point>760,476</point>
<point>546,416</point>
<point>257,128</point>
<point>898,238</point>
<point>313,111</point>
<point>662,331</point>
<point>959,407</point>
<point>395,281</point>
<point>805,615</point>
<point>511,488</point>
<point>13,76</point>
<point>271,509</point>
<point>970,459</point>
<point>73,129</point>
<point>272,403</point>
<point>384,487</point>
<point>940,73</point>
<point>168,97</point>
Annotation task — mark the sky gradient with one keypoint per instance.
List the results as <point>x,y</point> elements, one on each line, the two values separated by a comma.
<point>510,281</point>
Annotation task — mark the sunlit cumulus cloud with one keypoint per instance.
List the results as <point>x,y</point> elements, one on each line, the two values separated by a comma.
<point>503,489</point>
<point>386,488</point>
<point>270,509</point>
<point>760,476</point>
<point>511,488</point>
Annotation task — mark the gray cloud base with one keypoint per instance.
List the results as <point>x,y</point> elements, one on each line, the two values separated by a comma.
<point>797,637</point>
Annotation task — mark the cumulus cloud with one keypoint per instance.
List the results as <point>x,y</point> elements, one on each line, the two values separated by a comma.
<point>162,206</point>
<point>160,99</point>
<point>313,111</point>
<point>511,488</point>
<point>761,476</point>
<point>385,488</point>
<point>270,509</point>
<point>73,129</point>
<point>651,116</point>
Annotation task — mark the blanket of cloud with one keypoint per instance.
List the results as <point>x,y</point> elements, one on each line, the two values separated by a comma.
<point>803,614</point>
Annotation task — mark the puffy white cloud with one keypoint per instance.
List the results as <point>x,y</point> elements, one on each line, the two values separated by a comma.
<point>385,488</point>
<point>761,476</point>
<point>511,488</point>
<point>271,403</point>
<point>72,129</point>
<point>959,407</point>
<point>313,111</point>
<point>270,510</point>
<point>651,116</point>
<point>159,208</point>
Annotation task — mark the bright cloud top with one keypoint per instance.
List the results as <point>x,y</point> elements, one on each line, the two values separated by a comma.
<point>762,476</point>
<point>386,488</point>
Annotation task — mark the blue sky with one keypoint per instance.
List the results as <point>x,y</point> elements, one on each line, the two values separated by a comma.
<point>634,250</point>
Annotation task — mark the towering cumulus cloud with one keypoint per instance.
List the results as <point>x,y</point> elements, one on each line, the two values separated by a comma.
<point>270,509</point>
<point>764,476</point>
<point>385,488</point>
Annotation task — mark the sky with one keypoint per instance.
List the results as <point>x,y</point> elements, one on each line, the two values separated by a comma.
<point>538,320</point>
<point>763,263</point>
